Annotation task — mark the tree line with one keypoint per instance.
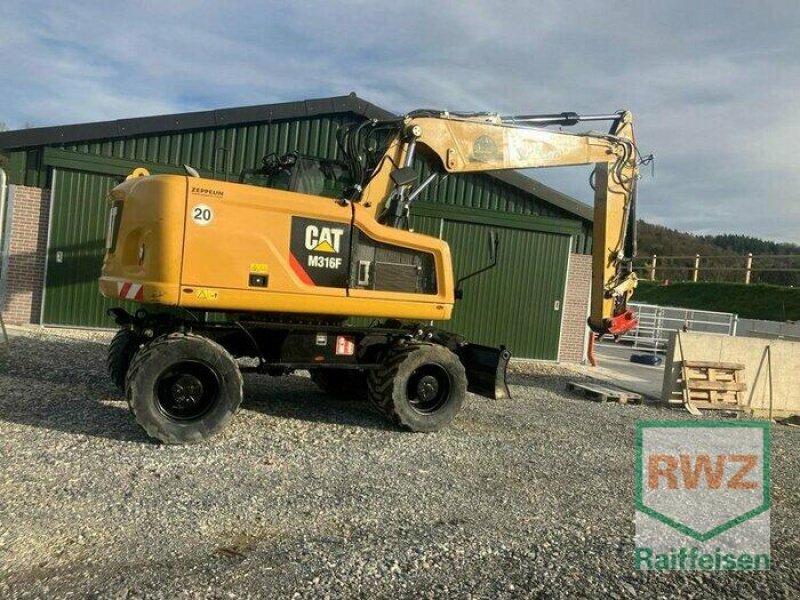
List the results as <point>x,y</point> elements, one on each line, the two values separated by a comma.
<point>731,248</point>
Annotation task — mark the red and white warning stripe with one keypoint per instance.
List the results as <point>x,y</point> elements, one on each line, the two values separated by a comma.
<point>130,291</point>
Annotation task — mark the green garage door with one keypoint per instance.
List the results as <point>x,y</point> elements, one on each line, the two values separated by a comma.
<point>75,251</point>
<point>517,303</point>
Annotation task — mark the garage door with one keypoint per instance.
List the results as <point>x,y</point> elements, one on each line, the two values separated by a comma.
<point>518,303</point>
<point>75,250</point>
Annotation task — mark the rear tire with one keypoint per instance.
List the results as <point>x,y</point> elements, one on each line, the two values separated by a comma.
<point>419,386</point>
<point>183,388</point>
<point>120,353</point>
<point>344,384</point>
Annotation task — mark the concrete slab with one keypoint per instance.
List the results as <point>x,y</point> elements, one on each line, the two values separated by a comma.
<point>614,364</point>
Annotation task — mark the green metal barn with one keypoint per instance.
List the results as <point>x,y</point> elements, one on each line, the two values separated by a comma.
<point>53,245</point>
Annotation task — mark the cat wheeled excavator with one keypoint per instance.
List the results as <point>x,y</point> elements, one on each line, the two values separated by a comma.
<point>301,244</point>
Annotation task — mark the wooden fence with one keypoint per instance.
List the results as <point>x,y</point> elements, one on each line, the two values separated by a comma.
<point>773,268</point>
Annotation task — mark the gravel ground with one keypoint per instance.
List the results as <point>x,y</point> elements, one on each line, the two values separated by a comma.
<point>305,496</point>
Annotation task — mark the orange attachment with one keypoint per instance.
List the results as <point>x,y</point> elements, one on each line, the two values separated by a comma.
<point>623,322</point>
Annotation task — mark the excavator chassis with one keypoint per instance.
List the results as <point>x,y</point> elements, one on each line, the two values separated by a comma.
<point>360,359</point>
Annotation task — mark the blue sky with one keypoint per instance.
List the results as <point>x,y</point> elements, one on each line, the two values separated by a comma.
<point>714,85</point>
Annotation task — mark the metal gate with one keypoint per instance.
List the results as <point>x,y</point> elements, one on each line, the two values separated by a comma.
<point>518,303</point>
<point>656,323</point>
<point>75,250</point>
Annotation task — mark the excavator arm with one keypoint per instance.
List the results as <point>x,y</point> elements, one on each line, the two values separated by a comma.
<point>487,142</point>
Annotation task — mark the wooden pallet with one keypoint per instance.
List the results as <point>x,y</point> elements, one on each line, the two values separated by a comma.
<point>713,385</point>
<point>604,393</point>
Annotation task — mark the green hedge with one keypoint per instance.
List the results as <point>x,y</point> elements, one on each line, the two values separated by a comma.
<point>757,301</point>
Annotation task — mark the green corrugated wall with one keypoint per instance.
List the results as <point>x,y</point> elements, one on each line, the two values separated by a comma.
<point>532,267</point>
<point>518,302</point>
<point>75,251</point>
<point>244,146</point>
<point>481,191</point>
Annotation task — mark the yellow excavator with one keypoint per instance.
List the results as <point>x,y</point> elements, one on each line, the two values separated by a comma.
<point>301,244</point>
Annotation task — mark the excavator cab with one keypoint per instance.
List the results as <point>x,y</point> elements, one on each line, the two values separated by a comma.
<point>295,172</point>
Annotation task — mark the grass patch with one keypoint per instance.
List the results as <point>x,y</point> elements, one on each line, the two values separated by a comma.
<point>757,301</point>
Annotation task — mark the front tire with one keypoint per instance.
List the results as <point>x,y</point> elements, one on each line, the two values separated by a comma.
<point>419,386</point>
<point>183,388</point>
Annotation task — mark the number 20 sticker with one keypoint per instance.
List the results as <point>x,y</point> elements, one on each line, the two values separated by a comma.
<point>202,214</point>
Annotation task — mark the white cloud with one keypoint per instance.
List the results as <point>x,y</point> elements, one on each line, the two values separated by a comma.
<point>713,84</point>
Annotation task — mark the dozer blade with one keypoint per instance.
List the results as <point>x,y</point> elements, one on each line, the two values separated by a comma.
<point>486,370</point>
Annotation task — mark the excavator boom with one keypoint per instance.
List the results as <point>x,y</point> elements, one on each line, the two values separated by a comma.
<point>486,142</point>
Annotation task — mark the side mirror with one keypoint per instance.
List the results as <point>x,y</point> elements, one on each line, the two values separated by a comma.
<point>404,176</point>
<point>494,243</point>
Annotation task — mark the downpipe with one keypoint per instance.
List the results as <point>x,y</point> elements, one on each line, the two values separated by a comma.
<point>3,240</point>
<point>3,198</point>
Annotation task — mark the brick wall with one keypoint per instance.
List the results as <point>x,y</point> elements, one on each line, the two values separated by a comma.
<point>27,251</point>
<point>574,330</point>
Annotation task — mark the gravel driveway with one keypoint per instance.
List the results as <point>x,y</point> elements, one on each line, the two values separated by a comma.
<point>306,496</point>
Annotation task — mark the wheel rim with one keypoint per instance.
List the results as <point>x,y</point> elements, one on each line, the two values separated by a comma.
<point>187,390</point>
<point>429,388</point>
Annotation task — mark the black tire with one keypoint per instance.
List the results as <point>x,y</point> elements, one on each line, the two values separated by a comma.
<point>120,353</point>
<point>419,386</point>
<point>344,384</point>
<point>183,388</point>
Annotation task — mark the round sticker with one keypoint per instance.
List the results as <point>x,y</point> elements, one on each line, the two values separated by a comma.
<point>202,214</point>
